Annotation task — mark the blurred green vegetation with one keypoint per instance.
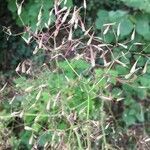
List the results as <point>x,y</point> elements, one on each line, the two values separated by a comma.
<point>129,15</point>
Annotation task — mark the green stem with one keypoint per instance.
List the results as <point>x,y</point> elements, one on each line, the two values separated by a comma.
<point>102,125</point>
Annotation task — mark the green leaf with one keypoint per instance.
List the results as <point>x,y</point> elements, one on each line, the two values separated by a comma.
<point>103,18</point>
<point>43,138</point>
<point>116,16</point>
<point>62,125</point>
<point>30,12</point>
<point>99,72</point>
<point>143,27</point>
<point>109,37</point>
<point>126,27</point>
<point>36,127</point>
<point>129,119</point>
<point>24,139</point>
<point>139,4</point>
<point>145,80</point>
<point>140,117</point>
<point>116,92</point>
<point>12,6</point>
<point>129,101</point>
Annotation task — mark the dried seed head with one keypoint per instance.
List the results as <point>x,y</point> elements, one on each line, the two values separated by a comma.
<point>29,89</point>
<point>31,140</point>
<point>90,40</point>
<point>50,17</point>
<point>86,32</point>
<point>65,16</point>
<point>70,35</point>
<point>106,30</point>
<point>39,94</point>
<point>122,45</point>
<point>133,35</point>
<point>82,26</point>
<point>73,16</point>
<point>18,67</point>
<point>48,105</point>
<point>145,67</point>
<point>84,4</point>
<point>23,67</point>
<point>63,9</point>
<point>76,23</point>
<point>118,30</point>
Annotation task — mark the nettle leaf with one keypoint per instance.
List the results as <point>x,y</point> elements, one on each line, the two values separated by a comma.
<point>99,72</point>
<point>128,90</point>
<point>132,113</point>
<point>118,17</point>
<point>109,37</point>
<point>62,125</point>
<point>24,140</point>
<point>33,9</point>
<point>44,138</point>
<point>145,80</point>
<point>116,92</point>
<point>128,119</point>
<point>139,4</point>
<point>12,6</point>
<point>103,18</point>
<point>30,12</point>
<point>121,70</point>
<point>78,66</point>
<point>126,27</point>
<point>128,101</point>
<point>115,16</point>
<point>141,93</point>
<point>143,27</point>
<point>140,116</point>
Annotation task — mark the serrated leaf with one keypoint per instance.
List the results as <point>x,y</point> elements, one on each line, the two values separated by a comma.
<point>143,27</point>
<point>103,18</point>
<point>126,27</point>
<point>116,16</point>
<point>139,4</point>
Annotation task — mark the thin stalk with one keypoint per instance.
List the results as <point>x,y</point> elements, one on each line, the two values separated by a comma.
<point>88,114</point>
<point>102,125</point>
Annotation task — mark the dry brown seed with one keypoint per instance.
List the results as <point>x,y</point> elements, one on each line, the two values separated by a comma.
<point>121,63</point>
<point>65,16</point>
<point>86,32</point>
<point>82,26</point>
<point>63,9</point>
<point>122,45</point>
<point>118,30</point>
<point>133,35</point>
<point>70,35</point>
<point>18,67</point>
<point>90,40</point>
<point>84,4</point>
<point>92,57</point>
<point>39,94</point>
<point>23,68</point>
<point>48,105</point>
<point>106,30</point>
<point>145,67</point>
<point>31,140</point>
<point>29,89</point>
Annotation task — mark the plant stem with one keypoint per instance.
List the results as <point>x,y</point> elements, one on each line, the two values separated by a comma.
<point>102,125</point>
